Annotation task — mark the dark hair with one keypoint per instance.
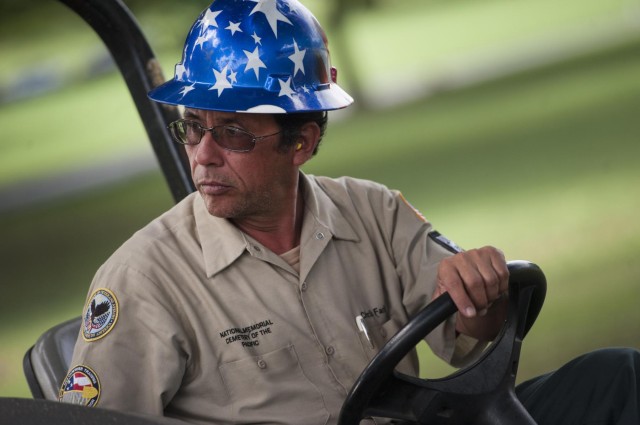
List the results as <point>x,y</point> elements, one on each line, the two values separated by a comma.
<point>292,123</point>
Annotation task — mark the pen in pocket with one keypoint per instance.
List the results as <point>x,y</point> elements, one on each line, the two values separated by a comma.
<point>362,327</point>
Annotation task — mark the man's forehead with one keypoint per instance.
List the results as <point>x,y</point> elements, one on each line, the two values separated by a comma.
<point>204,113</point>
<point>223,117</point>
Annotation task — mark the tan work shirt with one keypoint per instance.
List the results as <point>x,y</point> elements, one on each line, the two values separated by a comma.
<point>212,327</point>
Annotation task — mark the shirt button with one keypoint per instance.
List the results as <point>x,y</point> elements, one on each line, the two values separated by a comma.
<point>330,350</point>
<point>257,248</point>
<point>262,364</point>
<point>303,287</point>
<point>319,236</point>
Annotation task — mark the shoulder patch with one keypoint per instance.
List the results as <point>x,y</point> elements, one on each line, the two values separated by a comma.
<point>81,386</point>
<point>100,315</point>
<point>414,209</point>
<point>444,242</point>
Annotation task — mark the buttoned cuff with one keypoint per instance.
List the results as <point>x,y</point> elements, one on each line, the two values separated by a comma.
<point>467,350</point>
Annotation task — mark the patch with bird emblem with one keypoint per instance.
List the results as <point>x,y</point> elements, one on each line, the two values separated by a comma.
<point>81,386</point>
<point>100,315</point>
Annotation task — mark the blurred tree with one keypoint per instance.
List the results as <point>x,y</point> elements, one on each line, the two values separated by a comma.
<point>338,18</point>
<point>11,7</point>
<point>338,14</point>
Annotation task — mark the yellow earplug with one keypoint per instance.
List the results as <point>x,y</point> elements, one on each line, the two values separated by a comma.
<point>299,146</point>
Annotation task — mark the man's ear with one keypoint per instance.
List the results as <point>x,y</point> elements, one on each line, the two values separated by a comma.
<point>306,143</point>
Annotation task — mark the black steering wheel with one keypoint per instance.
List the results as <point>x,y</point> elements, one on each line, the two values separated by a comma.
<point>481,394</point>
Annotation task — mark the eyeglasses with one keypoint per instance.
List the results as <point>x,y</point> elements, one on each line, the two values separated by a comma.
<point>187,132</point>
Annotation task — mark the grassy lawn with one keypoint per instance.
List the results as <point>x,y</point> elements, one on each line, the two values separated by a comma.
<point>405,49</point>
<point>542,164</point>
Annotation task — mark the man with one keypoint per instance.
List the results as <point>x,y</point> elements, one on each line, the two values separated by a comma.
<point>261,298</point>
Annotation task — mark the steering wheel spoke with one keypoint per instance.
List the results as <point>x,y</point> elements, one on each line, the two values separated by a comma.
<point>482,393</point>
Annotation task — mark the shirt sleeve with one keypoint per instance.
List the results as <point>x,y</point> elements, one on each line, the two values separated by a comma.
<point>418,256</point>
<point>127,353</point>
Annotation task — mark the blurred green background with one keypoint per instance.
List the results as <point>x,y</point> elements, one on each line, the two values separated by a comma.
<point>515,124</point>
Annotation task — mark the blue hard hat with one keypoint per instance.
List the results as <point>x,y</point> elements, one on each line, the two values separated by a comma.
<point>264,56</point>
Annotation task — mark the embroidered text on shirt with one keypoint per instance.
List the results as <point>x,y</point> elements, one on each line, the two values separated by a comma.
<point>248,335</point>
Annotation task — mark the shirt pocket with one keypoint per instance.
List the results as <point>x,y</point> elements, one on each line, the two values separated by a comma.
<point>379,335</point>
<point>272,388</point>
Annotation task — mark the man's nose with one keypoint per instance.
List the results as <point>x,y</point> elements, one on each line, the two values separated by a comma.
<point>209,152</point>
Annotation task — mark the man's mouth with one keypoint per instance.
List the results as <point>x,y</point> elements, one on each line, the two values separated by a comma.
<point>210,187</point>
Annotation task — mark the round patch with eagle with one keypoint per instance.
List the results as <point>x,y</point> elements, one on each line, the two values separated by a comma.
<point>100,315</point>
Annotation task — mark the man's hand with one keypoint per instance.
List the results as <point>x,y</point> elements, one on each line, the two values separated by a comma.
<point>477,280</point>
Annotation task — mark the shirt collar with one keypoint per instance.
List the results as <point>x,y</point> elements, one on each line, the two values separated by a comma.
<point>321,210</point>
<point>223,243</point>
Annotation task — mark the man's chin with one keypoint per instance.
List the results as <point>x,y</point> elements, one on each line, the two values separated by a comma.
<point>217,207</point>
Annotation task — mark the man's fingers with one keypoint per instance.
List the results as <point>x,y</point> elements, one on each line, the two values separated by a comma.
<point>450,280</point>
<point>474,279</point>
<point>475,286</point>
<point>491,281</point>
<point>501,269</point>
<point>492,266</point>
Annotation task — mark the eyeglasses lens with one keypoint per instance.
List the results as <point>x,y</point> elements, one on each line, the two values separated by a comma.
<point>231,138</point>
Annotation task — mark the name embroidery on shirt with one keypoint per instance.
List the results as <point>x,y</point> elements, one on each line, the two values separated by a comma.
<point>248,336</point>
<point>374,312</point>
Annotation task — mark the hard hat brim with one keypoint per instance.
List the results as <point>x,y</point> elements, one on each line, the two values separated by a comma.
<point>202,96</point>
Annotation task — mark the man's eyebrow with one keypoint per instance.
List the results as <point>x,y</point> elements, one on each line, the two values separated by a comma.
<point>233,121</point>
<point>189,114</point>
